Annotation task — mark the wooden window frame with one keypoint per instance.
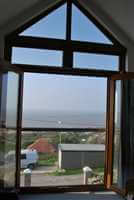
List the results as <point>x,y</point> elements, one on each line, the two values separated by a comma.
<point>14,40</point>
<point>117,77</point>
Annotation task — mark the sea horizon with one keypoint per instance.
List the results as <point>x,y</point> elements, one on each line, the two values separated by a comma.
<point>64,119</point>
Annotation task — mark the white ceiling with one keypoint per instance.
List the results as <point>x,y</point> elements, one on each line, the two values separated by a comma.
<point>118,12</point>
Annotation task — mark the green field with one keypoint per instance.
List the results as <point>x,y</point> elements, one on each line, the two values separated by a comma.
<point>47,159</point>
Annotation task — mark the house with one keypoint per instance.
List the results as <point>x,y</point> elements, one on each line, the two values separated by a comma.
<point>42,146</point>
<point>115,18</point>
<point>76,156</point>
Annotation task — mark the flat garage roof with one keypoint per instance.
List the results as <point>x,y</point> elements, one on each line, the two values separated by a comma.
<point>82,147</point>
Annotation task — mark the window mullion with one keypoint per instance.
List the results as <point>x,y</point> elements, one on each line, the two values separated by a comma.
<point>69,20</point>
<point>68,54</point>
<point>68,58</point>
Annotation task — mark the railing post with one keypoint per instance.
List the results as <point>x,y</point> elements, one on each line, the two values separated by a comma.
<point>87,174</point>
<point>27,177</point>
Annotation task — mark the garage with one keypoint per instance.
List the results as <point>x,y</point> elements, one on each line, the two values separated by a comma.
<point>75,156</point>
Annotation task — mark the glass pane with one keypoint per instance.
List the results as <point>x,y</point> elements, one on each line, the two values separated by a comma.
<point>59,157</point>
<point>12,99</point>
<point>10,158</point>
<point>95,61</point>
<point>59,101</point>
<point>8,135</point>
<point>51,26</point>
<point>84,30</point>
<point>117,134</point>
<point>37,57</point>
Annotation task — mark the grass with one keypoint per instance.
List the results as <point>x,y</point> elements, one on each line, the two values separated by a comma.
<point>65,172</point>
<point>47,159</point>
<point>49,162</point>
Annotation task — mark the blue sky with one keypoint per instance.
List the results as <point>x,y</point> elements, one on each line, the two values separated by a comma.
<point>51,92</point>
<point>64,93</point>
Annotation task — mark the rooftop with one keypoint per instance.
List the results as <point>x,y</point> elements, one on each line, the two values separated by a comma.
<point>82,147</point>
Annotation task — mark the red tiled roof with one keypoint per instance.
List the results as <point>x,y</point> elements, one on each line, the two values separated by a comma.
<point>42,146</point>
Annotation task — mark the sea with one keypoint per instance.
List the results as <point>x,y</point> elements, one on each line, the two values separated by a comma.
<point>56,119</point>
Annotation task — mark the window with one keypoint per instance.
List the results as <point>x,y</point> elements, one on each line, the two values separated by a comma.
<point>96,61</point>
<point>66,117</point>
<point>64,105</point>
<point>70,37</point>
<point>12,100</point>
<point>59,101</point>
<point>49,26</point>
<point>62,156</point>
<point>84,30</point>
<point>37,57</point>
<point>117,136</point>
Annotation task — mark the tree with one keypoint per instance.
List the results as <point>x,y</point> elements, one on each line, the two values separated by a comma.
<point>67,138</point>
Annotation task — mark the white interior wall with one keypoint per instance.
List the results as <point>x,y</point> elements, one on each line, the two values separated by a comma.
<point>130,58</point>
<point>117,32</point>
<point>15,22</point>
<point>120,12</point>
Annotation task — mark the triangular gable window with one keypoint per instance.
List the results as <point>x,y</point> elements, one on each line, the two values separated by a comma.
<point>54,26</point>
<point>84,30</point>
<point>70,33</point>
<point>51,26</point>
